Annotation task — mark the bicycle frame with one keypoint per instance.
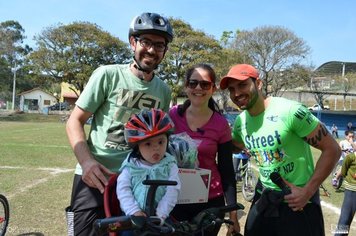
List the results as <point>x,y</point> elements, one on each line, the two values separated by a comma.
<point>249,180</point>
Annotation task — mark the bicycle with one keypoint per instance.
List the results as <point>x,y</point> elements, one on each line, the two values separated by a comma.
<point>4,214</point>
<point>246,174</point>
<point>206,220</point>
<point>151,225</point>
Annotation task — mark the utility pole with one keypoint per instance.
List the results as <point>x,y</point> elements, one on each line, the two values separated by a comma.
<point>14,89</point>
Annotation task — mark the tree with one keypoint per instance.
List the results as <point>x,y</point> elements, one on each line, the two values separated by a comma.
<point>293,77</point>
<point>273,49</point>
<point>319,90</point>
<point>346,83</point>
<point>12,55</point>
<point>228,57</point>
<point>70,53</point>
<point>188,48</point>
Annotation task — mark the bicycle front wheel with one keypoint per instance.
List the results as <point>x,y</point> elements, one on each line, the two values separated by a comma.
<point>4,214</point>
<point>249,185</point>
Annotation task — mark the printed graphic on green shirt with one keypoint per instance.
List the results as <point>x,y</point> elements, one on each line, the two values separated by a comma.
<point>276,140</point>
<point>128,102</point>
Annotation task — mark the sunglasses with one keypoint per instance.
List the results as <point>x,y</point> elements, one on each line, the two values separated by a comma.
<point>205,85</point>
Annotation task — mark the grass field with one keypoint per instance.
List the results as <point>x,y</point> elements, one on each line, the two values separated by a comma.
<point>36,170</point>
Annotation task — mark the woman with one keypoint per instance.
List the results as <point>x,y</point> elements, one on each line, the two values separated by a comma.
<point>199,117</point>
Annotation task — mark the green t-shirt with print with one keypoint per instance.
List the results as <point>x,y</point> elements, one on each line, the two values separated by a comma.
<point>276,140</point>
<point>113,94</point>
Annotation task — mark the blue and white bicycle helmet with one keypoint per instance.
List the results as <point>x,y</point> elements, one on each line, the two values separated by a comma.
<point>183,151</point>
<point>151,23</point>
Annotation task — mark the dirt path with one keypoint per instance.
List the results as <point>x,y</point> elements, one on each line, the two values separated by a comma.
<point>331,216</point>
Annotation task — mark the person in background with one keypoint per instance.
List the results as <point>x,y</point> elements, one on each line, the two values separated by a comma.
<point>147,134</point>
<point>347,146</point>
<point>112,94</point>
<point>334,131</point>
<point>348,209</point>
<point>350,126</point>
<point>278,134</point>
<point>199,117</point>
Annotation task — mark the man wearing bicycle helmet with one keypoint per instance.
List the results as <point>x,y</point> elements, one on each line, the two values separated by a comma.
<point>112,94</point>
<point>147,133</point>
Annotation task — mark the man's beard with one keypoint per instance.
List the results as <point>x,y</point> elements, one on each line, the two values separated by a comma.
<point>147,67</point>
<point>253,99</point>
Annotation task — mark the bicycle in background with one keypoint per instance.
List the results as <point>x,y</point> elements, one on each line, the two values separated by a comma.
<point>4,214</point>
<point>244,173</point>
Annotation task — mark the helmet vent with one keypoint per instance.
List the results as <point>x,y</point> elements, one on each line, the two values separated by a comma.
<point>159,21</point>
<point>139,21</point>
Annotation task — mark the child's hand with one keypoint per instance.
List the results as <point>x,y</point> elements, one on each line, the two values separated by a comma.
<point>140,213</point>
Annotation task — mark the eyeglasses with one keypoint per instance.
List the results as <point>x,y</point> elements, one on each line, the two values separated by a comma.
<point>206,85</point>
<point>147,44</point>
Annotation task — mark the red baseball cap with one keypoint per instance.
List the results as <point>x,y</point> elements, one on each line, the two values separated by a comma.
<point>239,72</point>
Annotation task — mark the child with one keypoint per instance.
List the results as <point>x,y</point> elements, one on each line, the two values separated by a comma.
<point>147,134</point>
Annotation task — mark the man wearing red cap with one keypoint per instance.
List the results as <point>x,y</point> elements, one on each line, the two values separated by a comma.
<point>277,133</point>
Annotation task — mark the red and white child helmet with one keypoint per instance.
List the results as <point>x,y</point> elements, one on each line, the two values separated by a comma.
<point>146,124</point>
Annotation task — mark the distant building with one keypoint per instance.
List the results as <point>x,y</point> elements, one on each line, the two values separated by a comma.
<point>35,100</point>
<point>67,94</point>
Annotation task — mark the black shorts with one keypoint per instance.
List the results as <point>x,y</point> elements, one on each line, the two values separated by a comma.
<point>86,206</point>
<point>308,222</point>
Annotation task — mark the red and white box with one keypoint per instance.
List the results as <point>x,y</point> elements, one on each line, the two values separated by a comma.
<point>194,185</point>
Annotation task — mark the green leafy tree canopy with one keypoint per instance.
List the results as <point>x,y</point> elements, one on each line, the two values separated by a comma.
<point>70,53</point>
<point>273,49</point>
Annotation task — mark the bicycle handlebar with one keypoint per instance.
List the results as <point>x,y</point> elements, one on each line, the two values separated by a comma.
<point>151,225</point>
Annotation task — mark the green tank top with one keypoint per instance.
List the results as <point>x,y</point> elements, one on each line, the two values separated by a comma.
<point>276,141</point>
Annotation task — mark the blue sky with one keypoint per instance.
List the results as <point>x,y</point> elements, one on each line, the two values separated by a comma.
<point>327,26</point>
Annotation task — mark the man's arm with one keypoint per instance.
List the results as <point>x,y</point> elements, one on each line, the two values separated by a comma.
<point>237,147</point>
<point>93,172</point>
<point>321,139</point>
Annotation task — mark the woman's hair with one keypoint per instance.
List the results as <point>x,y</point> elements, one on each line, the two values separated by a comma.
<point>211,104</point>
